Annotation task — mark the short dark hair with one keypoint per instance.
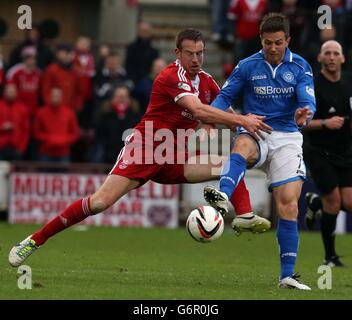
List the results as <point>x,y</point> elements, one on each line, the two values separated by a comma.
<point>64,47</point>
<point>113,54</point>
<point>275,22</point>
<point>189,34</point>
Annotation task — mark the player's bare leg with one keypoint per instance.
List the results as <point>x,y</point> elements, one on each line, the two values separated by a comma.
<point>113,188</point>
<point>203,168</point>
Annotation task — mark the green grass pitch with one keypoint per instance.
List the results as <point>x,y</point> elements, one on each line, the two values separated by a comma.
<point>132,263</point>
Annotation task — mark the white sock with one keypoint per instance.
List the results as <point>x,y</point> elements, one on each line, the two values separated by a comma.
<point>247,215</point>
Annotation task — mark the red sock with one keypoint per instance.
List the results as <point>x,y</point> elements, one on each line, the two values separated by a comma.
<point>240,199</point>
<point>73,214</point>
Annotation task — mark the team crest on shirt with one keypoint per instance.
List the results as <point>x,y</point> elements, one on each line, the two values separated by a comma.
<point>184,86</point>
<point>124,164</point>
<point>288,76</point>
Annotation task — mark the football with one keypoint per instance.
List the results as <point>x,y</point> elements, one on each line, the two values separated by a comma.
<point>205,224</point>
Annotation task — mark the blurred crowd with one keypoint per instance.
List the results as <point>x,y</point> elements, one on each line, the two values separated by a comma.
<point>67,103</point>
<point>235,26</point>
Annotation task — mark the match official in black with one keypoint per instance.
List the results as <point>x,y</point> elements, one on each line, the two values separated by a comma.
<point>328,147</point>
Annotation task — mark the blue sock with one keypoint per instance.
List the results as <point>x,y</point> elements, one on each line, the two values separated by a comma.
<point>232,173</point>
<point>287,237</point>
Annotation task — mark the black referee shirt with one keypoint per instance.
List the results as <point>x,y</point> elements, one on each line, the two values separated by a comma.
<point>332,99</point>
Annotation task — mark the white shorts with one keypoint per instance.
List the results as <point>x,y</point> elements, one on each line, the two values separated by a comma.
<point>281,157</point>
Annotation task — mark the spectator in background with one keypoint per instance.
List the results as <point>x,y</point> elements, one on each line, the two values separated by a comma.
<point>112,75</point>
<point>247,15</point>
<point>338,18</point>
<point>33,38</point>
<point>61,74</point>
<point>316,36</point>
<point>14,125</point>
<point>55,129</point>
<point>116,116</point>
<point>84,66</point>
<point>313,48</point>
<point>141,53</point>
<point>104,51</point>
<point>143,88</point>
<point>27,78</point>
<point>297,16</point>
<point>220,24</point>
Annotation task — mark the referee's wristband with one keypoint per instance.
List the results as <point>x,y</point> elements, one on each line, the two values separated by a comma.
<point>323,123</point>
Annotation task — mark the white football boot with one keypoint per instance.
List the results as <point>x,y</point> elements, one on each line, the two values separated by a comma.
<point>21,251</point>
<point>250,222</point>
<point>217,199</point>
<point>292,283</point>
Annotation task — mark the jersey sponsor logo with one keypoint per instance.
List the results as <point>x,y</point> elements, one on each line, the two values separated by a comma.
<point>288,76</point>
<point>260,90</point>
<point>273,90</point>
<point>124,164</point>
<point>310,91</point>
<point>184,86</point>
<point>259,77</point>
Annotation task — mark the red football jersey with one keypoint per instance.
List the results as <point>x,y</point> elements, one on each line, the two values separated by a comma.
<point>170,85</point>
<point>28,85</point>
<point>248,15</point>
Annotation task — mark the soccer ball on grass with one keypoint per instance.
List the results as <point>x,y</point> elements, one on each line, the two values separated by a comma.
<point>205,224</point>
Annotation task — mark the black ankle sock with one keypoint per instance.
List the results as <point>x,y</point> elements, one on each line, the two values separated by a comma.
<point>317,204</point>
<point>328,226</point>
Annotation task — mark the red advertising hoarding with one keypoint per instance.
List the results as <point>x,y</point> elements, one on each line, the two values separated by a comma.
<point>38,197</point>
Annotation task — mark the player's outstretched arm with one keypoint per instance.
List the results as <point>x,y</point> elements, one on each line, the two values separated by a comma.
<point>333,123</point>
<point>205,113</point>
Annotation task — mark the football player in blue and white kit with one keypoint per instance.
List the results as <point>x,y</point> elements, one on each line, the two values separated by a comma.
<point>277,84</point>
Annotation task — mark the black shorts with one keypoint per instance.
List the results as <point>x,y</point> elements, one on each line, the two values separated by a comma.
<point>328,169</point>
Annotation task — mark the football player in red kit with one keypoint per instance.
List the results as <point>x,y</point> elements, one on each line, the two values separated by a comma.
<point>179,100</point>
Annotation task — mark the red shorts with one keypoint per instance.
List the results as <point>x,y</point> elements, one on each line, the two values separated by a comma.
<point>143,170</point>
